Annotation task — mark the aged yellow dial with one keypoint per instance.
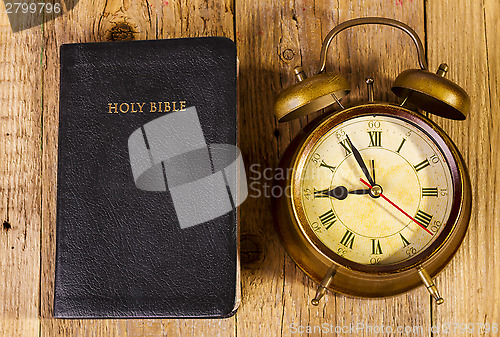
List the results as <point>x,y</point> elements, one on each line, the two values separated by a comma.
<point>387,205</point>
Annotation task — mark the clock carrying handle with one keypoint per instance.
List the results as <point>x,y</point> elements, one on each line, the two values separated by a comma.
<point>374,21</point>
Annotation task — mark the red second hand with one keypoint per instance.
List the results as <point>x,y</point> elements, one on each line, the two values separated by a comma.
<point>398,208</point>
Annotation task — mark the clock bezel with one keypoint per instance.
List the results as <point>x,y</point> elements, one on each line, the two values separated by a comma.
<point>419,121</point>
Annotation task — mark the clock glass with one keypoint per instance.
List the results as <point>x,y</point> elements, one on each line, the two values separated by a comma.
<point>376,190</point>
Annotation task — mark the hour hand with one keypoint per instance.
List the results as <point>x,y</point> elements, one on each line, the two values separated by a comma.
<point>360,162</point>
<point>339,193</point>
<point>361,191</point>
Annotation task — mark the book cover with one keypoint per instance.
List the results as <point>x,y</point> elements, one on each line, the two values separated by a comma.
<point>147,178</point>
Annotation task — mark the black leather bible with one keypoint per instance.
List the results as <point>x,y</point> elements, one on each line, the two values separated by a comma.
<point>146,221</point>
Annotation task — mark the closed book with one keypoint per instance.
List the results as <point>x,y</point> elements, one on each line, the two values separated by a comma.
<point>146,200</point>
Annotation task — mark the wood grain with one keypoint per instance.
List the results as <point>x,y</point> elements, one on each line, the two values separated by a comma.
<point>272,38</point>
<point>470,285</point>
<point>492,17</point>
<point>20,184</point>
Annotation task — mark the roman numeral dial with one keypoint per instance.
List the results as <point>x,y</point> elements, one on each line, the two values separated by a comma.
<point>325,165</point>
<point>423,218</point>
<point>375,138</point>
<point>328,219</point>
<point>401,145</point>
<point>321,193</point>
<point>376,248</point>
<point>402,216</point>
<point>405,242</point>
<point>423,164</point>
<point>347,239</point>
<point>346,146</point>
<point>429,191</point>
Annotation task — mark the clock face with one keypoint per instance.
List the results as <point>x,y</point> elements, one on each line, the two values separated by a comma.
<point>392,212</point>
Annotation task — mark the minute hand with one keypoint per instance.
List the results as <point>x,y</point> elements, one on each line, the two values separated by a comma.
<point>360,161</point>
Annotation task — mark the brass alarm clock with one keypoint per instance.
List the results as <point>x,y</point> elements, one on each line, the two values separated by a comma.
<point>380,197</point>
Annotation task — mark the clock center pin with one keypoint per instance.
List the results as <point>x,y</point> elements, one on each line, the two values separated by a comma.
<point>376,191</point>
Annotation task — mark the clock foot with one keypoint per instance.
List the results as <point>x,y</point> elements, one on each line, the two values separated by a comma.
<point>429,283</point>
<point>324,285</point>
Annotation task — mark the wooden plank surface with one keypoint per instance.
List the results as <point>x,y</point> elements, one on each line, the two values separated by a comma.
<point>272,38</point>
<point>20,185</point>
<point>470,284</point>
